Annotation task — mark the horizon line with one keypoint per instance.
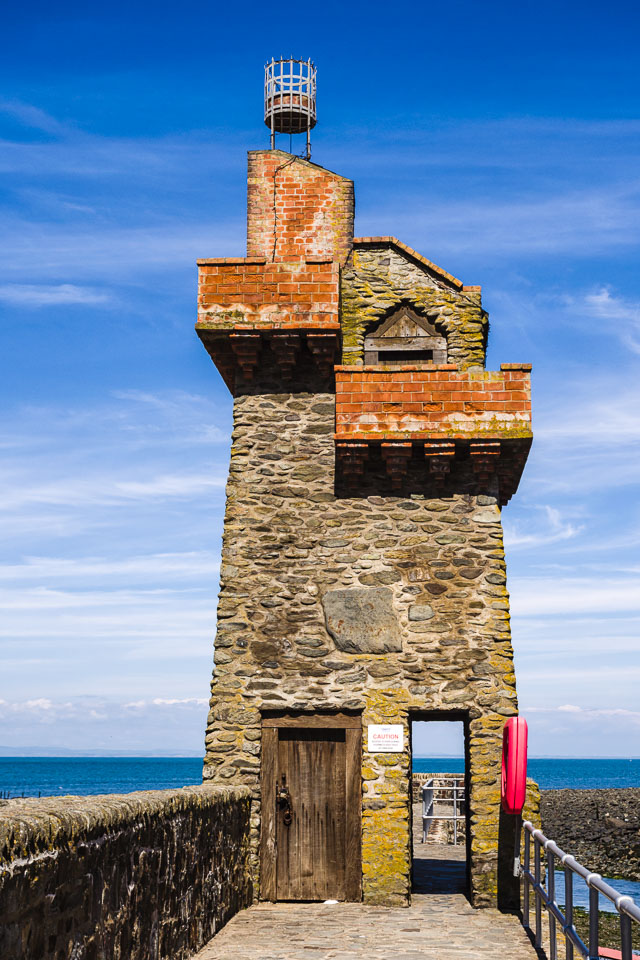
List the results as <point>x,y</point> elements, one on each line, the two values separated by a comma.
<point>193,756</point>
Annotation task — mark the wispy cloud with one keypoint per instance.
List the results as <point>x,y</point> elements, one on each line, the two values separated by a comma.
<point>575,710</point>
<point>98,725</point>
<point>46,295</point>
<point>32,116</point>
<point>572,222</point>
<point>563,595</point>
<point>100,490</point>
<point>158,567</point>
<point>617,316</point>
<point>551,529</point>
<point>121,452</point>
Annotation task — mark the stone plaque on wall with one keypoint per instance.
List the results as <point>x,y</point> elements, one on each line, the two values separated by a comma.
<point>362,620</point>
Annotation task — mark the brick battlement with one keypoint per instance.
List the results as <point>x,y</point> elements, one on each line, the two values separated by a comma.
<point>239,292</point>
<point>434,402</point>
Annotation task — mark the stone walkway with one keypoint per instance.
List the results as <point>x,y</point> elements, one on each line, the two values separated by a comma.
<point>437,926</point>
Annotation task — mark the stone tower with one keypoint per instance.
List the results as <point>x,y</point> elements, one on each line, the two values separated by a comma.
<point>363,574</point>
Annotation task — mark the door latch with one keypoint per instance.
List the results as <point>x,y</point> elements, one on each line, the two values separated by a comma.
<point>283,799</point>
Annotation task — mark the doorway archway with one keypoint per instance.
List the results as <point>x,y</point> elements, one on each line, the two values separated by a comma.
<point>439,792</point>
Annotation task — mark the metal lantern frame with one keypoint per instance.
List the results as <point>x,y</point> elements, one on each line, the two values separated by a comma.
<point>290,98</point>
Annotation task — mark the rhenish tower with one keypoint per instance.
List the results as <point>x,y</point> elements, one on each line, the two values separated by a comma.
<point>363,574</point>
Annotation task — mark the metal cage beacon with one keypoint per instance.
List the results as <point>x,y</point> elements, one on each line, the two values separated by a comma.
<point>290,98</point>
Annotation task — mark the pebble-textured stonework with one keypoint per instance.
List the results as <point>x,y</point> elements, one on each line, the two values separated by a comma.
<point>140,876</point>
<point>289,542</point>
<point>379,276</point>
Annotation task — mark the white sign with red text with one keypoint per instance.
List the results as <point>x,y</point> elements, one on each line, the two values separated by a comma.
<point>385,738</point>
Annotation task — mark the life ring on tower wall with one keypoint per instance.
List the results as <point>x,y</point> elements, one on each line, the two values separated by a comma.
<point>514,765</point>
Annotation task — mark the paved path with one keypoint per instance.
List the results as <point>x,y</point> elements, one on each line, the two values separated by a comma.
<point>437,926</point>
<point>432,928</point>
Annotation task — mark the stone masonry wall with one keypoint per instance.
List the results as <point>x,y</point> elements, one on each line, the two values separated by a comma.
<point>436,641</point>
<point>141,876</point>
<point>379,276</point>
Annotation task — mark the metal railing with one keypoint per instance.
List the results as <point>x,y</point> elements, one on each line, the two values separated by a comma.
<point>429,797</point>
<point>545,897</point>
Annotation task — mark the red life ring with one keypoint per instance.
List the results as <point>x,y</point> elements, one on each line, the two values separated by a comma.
<point>514,765</point>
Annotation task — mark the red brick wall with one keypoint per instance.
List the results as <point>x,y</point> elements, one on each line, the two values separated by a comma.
<point>239,291</point>
<point>297,210</point>
<point>439,402</point>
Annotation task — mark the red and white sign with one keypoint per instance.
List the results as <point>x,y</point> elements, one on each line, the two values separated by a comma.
<point>385,738</point>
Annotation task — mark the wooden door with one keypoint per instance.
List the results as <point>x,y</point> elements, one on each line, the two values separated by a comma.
<point>311,843</point>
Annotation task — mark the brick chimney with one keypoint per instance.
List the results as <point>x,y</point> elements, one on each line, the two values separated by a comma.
<point>297,210</point>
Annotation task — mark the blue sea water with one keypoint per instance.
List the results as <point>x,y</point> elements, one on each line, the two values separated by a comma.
<point>554,774</point>
<point>628,888</point>
<point>56,776</point>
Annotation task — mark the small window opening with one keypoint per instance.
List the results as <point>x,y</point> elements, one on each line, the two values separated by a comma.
<point>405,356</point>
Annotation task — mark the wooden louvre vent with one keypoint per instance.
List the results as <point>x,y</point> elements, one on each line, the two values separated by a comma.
<point>405,337</point>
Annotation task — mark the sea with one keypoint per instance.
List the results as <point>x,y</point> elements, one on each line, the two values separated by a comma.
<point>84,776</point>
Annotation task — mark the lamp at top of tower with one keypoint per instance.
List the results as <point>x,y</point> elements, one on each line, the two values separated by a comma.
<point>290,98</point>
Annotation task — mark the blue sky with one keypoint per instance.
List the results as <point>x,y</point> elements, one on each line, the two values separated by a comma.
<point>500,140</point>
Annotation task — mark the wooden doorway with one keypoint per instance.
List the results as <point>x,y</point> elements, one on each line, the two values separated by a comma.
<point>311,807</point>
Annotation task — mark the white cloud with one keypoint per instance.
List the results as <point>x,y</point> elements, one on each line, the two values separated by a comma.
<point>588,713</point>
<point>554,530</point>
<point>100,490</point>
<point>617,316</point>
<point>78,569</point>
<point>575,221</point>
<point>198,701</point>
<point>563,595</point>
<point>31,116</point>
<point>41,708</point>
<point>47,295</point>
<point>121,614</point>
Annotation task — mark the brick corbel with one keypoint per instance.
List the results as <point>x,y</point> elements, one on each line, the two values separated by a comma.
<point>485,456</point>
<point>439,458</point>
<point>246,347</point>
<point>323,348</point>
<point>352,460</point>
<point>286,347</point>
<point>396,457</point>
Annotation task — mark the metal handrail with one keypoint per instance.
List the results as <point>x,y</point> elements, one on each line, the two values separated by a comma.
<point>627,909</point>
<point>429,790</point>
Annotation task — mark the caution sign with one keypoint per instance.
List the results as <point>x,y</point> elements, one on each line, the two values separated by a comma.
<point>385,738</point>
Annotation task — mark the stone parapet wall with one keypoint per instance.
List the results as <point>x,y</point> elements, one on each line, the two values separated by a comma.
<point>140,876</point>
